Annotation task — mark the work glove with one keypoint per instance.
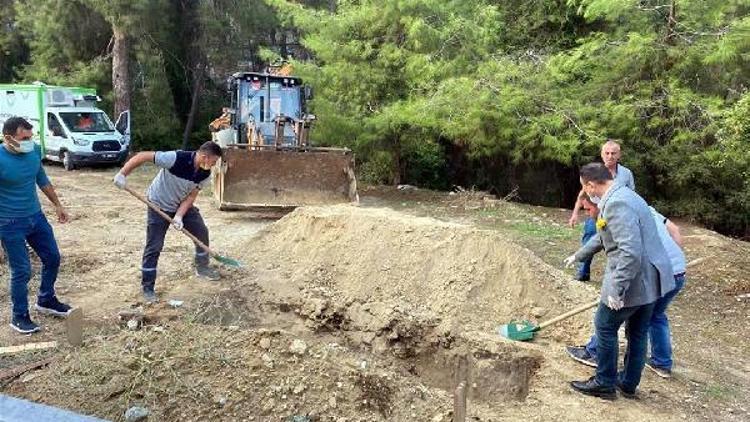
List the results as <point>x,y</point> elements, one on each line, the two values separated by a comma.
<point>614,303</point>
<point>569,261</point>
<point>177,222</point>
<point>120,180</point>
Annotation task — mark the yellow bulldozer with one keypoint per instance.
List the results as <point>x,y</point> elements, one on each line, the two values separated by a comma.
<point>269,164</point>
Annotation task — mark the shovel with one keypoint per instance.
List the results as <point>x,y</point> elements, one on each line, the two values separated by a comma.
<point>524,330</point>
<point>223,259</point>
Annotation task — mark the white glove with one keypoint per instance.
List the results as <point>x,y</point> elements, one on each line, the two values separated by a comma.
<point>569,261</point>
<point>177,222</point>
<point>614,303</point>
<point>120,180</point>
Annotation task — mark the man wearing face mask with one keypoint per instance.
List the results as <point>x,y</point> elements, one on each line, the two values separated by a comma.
<point>610,154</point>
<point>22,221</point>
<point>638,273</point>
<point>183,174</point>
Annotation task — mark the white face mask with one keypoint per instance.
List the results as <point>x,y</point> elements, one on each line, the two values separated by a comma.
<point>595,200</point>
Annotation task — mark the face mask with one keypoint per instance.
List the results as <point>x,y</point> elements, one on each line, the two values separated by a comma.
<point>24,146</point>
<point>595,200</point>
<point>205,167</point>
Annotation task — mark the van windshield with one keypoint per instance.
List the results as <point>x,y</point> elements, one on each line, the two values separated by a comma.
<point>87,122</point>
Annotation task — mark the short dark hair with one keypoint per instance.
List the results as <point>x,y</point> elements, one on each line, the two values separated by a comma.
<point>595,172</point>
<point>11,125</point>
<point>211,148</point>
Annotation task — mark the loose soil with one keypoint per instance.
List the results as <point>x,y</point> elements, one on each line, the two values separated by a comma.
<point>346,313</point>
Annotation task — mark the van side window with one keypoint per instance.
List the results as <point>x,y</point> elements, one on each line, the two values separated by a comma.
<point>54,125</point>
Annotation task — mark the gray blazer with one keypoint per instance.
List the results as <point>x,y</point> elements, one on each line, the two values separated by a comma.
<point>638,267</point>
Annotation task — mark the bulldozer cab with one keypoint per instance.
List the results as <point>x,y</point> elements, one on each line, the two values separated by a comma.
<point>268,162</point>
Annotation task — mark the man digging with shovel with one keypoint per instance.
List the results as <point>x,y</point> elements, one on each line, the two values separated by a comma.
<point>183,174</point>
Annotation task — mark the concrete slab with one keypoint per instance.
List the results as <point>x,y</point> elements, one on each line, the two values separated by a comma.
<point>18,410</point>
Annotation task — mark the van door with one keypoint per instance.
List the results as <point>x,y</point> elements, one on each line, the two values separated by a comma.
<point>123,126</point>
<point>56,136</point>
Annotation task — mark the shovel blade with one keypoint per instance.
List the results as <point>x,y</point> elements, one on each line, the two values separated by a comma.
<point>518,331</point>
<point>228,261</point>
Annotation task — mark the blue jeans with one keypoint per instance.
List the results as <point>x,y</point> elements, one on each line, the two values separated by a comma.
<point>607,322</point>
<point>14,234</point>
<point>589,231</point>
<point>658,330</point>
<point>156,229</point>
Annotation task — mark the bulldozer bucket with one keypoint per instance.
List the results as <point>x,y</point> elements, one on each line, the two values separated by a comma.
<point>271,179</point>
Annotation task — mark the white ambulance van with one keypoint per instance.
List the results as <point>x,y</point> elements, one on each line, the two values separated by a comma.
<point>67,125</point>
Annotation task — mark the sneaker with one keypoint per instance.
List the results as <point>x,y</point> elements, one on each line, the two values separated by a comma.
<point>626,392</point>
<point>53,307</point>
<point>149,296</point>
<point>580,354</point>
<point>660,371</point>
<point>582,277</point>
<point>206,272</point>
<point>23,324</point>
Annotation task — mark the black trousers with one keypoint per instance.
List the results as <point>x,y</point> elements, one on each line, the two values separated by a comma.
<point>156,229</point>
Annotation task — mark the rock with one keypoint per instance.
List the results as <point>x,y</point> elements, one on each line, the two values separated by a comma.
<point>157,329</point>
<point>332,402</point>
<point>298,347</point>
<point>538,311</point>
<point>175,303</point>
<point>437,418</point>
<point>136,413</point>
<point>298,389</point>
<point>265,343</point>
<point>267,360</point>
<point>221,401</point>
<point>134,324</point>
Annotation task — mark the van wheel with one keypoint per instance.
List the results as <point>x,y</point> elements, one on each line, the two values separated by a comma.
<point>68,161</point>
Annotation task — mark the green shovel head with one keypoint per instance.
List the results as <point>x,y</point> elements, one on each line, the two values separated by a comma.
<point>228,261</point>
<point>518,330</point>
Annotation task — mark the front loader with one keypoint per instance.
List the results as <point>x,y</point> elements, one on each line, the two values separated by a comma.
<point>269,164</point>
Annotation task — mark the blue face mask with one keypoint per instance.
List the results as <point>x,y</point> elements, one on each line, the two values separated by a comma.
<point>25,146</point>
<point>595,199</point>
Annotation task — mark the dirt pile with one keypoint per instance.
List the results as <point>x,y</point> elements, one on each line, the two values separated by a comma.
<point>388,274</point>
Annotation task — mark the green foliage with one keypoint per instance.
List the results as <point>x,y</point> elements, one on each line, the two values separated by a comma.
<point>485,93</point>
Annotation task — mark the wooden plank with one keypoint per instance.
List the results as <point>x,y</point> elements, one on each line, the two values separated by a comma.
<point>74,325</point>
<point>7,350</point>
<point>22,369</point>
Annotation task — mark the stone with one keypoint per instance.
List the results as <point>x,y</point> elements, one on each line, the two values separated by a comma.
<point>298,347</point>
<point>267,360</point>
<point>134,324</point>
<point>265,343</point>
<point>332,402</point>
<point>136,413</point>
<point>298,389</point>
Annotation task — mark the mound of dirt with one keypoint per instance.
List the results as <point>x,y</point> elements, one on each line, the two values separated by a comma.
<point>407,282</point>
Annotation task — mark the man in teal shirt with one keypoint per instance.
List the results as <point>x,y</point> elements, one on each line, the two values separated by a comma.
<point>22,221</point>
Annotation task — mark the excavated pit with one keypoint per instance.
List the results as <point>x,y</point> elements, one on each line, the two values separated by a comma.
<point>420,290</point>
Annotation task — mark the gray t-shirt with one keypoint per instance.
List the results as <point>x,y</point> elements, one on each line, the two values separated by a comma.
<point>177,178</point>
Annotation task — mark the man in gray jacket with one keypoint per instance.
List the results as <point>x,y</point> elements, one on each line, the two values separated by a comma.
<point>638,272</point>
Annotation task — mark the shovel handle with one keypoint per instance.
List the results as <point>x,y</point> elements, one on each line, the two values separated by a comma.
<point>168,218</point>
<point>568,314</point>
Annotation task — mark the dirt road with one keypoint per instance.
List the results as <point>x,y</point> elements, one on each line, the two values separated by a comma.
<point>349,314</point>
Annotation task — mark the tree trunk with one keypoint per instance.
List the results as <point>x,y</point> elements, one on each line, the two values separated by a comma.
<point>121,82</point>
<point>197,91</point>
<point>396,171</point>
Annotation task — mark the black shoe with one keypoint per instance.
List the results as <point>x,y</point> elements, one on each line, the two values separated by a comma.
<point>580,354</point>
<point>591,387</point>
<point>53,306</point>
<point>149,296</point>
<point>582,277</point>
<point>23,324</point>
<point>626,392</point>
